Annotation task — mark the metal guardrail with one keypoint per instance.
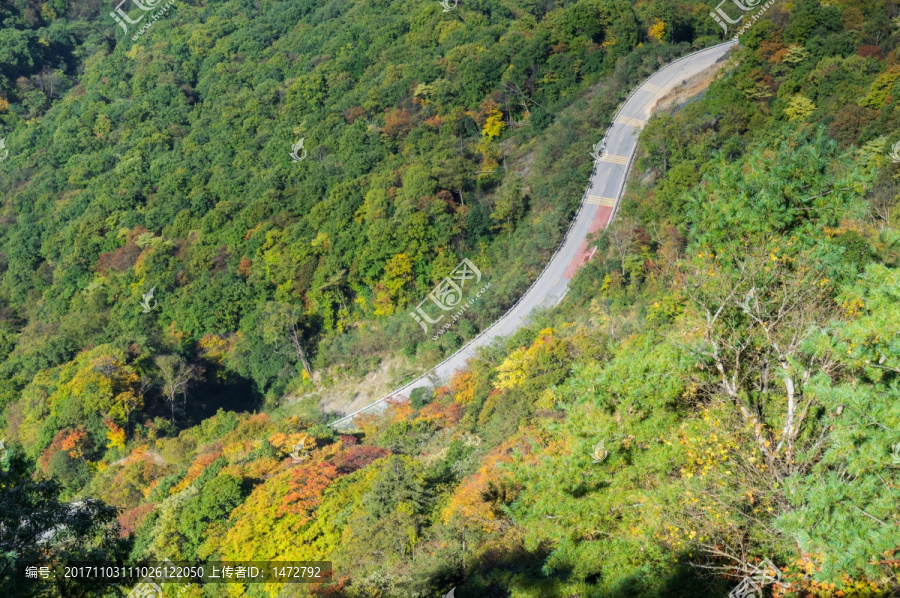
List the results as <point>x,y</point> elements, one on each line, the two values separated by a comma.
<point>431,373</point>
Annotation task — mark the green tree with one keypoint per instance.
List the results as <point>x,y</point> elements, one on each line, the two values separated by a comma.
<point>216,500</point>
<point>37,528</point>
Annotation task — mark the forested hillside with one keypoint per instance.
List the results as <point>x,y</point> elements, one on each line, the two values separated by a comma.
<point>167,166</point>
<point>164,164</point>
<point>719,387</point>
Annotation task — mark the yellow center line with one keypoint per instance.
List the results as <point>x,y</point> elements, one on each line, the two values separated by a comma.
<point>615,159</point>
<point>597,200</point>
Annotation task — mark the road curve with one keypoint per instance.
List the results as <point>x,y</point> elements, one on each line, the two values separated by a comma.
<point>598,206</point>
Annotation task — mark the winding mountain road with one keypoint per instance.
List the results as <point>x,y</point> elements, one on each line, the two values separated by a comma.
<point>598,207</point>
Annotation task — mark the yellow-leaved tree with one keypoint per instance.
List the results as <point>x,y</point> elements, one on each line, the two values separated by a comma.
<point>536,366</point>
<point>799,108</point>
<point>494,125</point>
<point>391,291</point>
<point>657,31</point>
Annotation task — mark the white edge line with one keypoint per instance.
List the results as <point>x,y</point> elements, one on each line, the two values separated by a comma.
<point>427,374</point>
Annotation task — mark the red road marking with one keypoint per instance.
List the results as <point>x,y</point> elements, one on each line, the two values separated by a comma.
<point>601,219</point>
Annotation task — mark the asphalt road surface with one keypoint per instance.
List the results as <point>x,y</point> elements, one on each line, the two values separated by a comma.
<point>597,209</point>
